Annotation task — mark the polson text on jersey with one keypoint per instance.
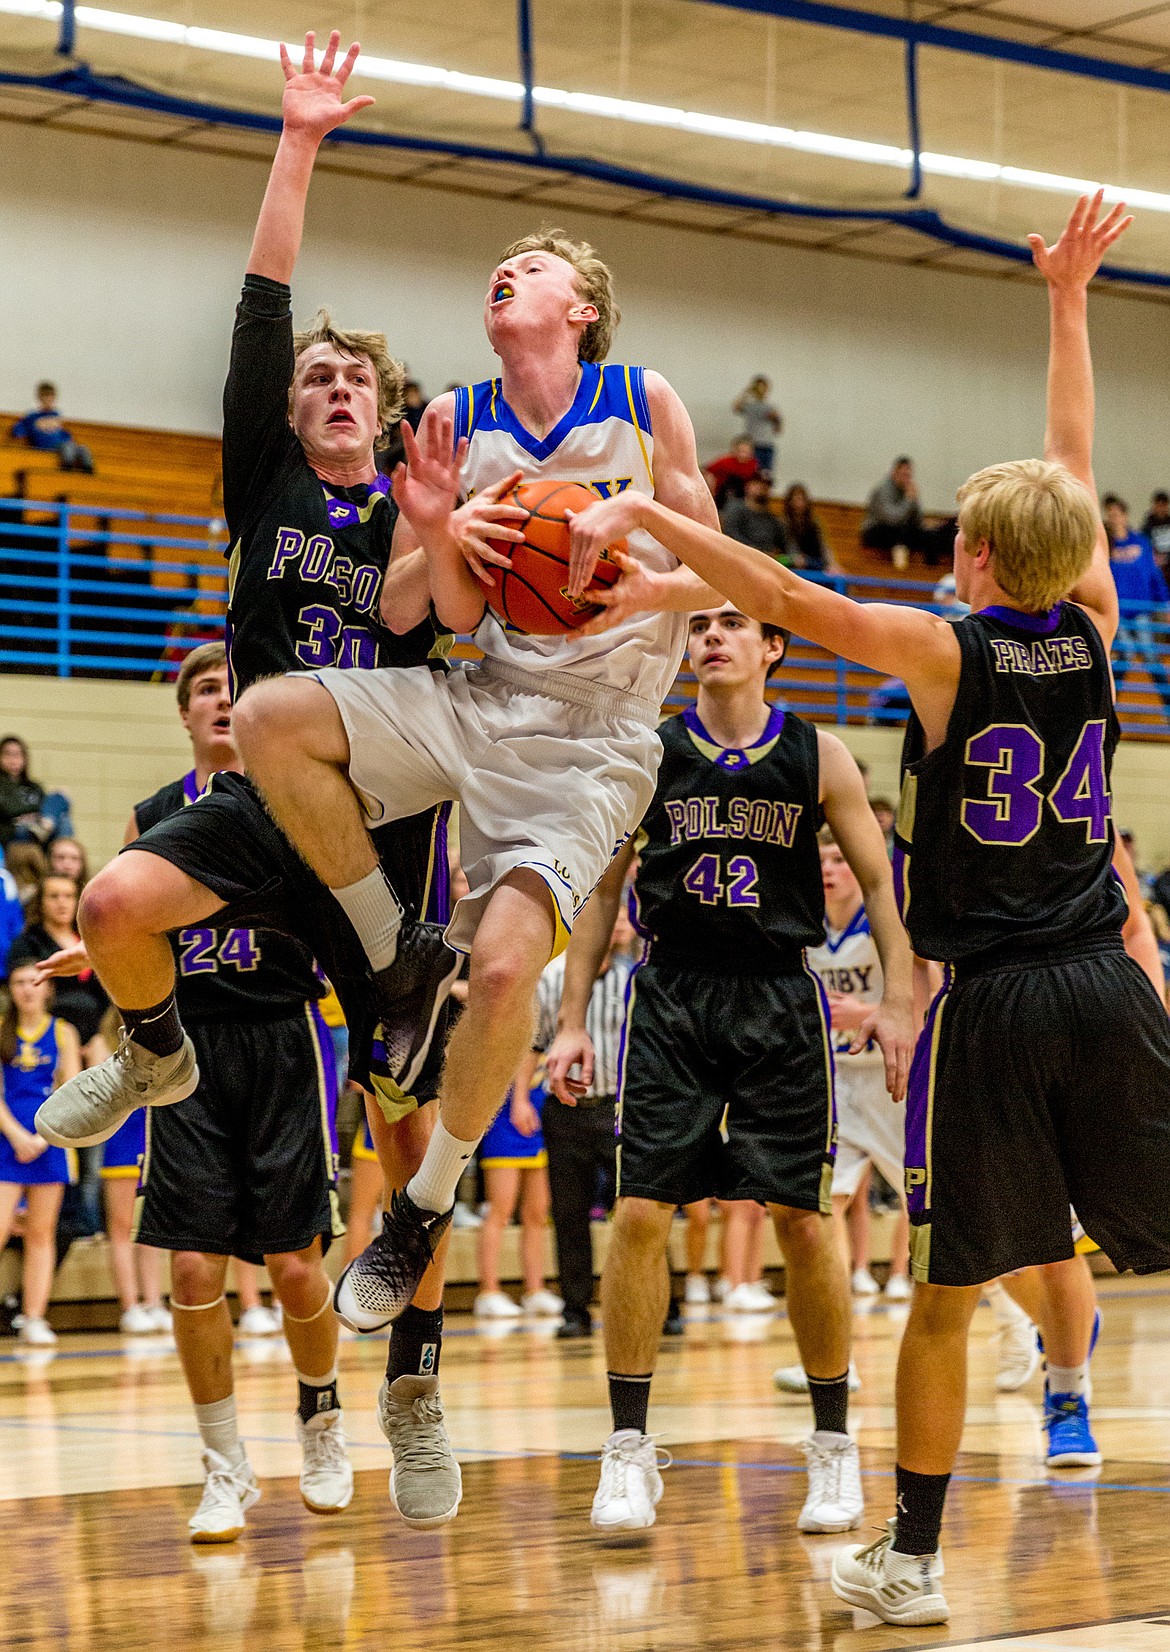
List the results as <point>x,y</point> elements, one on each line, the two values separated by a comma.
<point>763,820</point>
<point>321,565</point>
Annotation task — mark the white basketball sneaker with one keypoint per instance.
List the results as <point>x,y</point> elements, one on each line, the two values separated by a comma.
<point>1017,1355</point>
<point>835,1502</point>
<point>326,1474</point>
<point>628,1495</point>
<point>898,1588</point>
<point>229,1490</point>
<point>89,1108</point>
<point>793,1379</point>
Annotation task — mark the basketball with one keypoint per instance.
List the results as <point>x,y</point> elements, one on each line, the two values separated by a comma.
<point>531,594</point>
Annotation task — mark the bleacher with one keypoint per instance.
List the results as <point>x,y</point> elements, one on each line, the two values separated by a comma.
<point>118,573</point>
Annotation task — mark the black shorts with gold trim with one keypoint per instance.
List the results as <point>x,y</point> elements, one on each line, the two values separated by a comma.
<point>726,1088</point>
<point>1039,1082</point>
<point>247,1165</point>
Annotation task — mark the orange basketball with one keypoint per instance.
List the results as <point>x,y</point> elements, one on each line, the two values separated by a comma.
<point>530,594</point>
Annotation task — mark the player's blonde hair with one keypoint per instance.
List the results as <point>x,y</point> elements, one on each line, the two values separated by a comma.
<point>594,285</point>
<point>1041,524</point>
<point>391,374</point>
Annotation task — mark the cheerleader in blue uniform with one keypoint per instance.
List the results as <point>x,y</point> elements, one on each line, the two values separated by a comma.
<point>37,1053</point>
<point>137,1269</point>
<point>515,1170</point>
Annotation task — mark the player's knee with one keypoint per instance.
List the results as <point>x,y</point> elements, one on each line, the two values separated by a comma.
<point>196,1279</point>
<point>800,1231</point>
<point>298,1280</point>
<point>642,1224</point>
<point>503,977</point>
<point>942,1310</point>
<point>288,714</point>
<point>114,903</point>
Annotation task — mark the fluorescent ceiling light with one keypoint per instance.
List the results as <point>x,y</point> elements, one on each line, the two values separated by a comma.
<point>604,108</point>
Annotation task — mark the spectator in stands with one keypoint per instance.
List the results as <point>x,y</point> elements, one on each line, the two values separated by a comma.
<point>43,431</point>
<point>888,703</point>
<point>728,476</point>
<point>885,815</point>
<point>515,1169</point>
<point>28,814</point>
<point>1156,528</point>
<point>52,927</point>
<point>414,403</point>
<point>762,421</point>
<point>37,1053</point>
<point>1144,597</point>
<point>893,516</point>
<point>11,914</point>
<point>752,520</point>
<point>806,544</point>
<point>29,868</point>
<point>68,859</point>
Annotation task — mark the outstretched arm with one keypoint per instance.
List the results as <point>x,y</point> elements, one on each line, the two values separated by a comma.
<point>312,107</point>
<point>1068,266</point>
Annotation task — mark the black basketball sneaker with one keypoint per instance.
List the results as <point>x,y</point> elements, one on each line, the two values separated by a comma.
<point>382,1281</point>
<point>409,995</point>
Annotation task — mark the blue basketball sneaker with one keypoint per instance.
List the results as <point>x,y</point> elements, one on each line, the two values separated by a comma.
<point>1070,1439</point>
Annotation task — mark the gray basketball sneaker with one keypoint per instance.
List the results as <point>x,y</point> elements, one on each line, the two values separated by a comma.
<point>426,1485</point>
<point>90,1107</point>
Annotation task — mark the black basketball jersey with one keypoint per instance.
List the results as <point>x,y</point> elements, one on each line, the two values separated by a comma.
<point>306,560</point>
<point>730,871</point>
<point>230,974</point>
<point>1004,837</point>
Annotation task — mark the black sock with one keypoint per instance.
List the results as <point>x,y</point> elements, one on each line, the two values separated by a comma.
<point>629,1400</point>
<point>920,1511</point>
<point>416,1344</point>
<point>830,1403</point>
<point>158,1029</point>
<point>313,1399</point>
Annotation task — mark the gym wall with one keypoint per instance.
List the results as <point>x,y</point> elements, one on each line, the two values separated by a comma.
<point>121,263</point>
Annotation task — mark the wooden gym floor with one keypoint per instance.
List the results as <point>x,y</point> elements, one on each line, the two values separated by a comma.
<point>99,1470</point>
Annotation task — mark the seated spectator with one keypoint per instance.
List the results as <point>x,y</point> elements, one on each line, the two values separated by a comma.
<point>889,702</point>
<point>1142,592</point>
<point>893,517</point>
<point>806,544</point>
<point>29,868</point>
<point>11,914</point>
<point>52,927</point>
<point>68,859</point>
<point>37,1053</point>
<point>414,403</point>
<point>27,812</point>
<point>515,1170</point>
<point>885,814</point>
<point>43,431</point>
<point>752,520</point>
<point>762,421</point>
<point>1156,528</point>
<point>728,475</point>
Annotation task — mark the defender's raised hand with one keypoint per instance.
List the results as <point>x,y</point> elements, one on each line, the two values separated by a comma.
<point>1075,257</point>
<point>313,102</point>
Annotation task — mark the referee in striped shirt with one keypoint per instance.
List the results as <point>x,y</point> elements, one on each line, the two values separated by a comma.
<point>581,1140</point>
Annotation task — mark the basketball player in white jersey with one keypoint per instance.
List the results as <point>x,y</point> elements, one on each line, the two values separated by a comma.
<point>549,745</point>
<point>871,1128</point>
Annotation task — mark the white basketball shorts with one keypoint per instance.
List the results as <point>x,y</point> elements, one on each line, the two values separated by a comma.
<point>553,780</point>
<point>871,1129</point>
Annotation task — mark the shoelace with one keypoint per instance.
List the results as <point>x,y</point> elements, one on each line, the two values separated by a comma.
<point>326,1446</point>
<point>425,1445</point>
<point>873,1556</point>
<point>225,1485</point>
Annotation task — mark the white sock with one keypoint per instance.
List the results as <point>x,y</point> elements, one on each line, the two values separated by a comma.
<point>1069,1379</point>
<point>218,1429</point>
<point>432,1187</point>
<point>375,914</point>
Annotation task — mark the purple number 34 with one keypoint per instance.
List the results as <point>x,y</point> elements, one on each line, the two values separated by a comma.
<point>1010,813</point>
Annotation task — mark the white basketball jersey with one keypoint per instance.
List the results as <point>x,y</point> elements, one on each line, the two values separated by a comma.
<point>849,963</point>
<point>604,441</point>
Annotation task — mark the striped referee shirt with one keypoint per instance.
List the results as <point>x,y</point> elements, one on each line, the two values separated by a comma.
<point>604,1019</point>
